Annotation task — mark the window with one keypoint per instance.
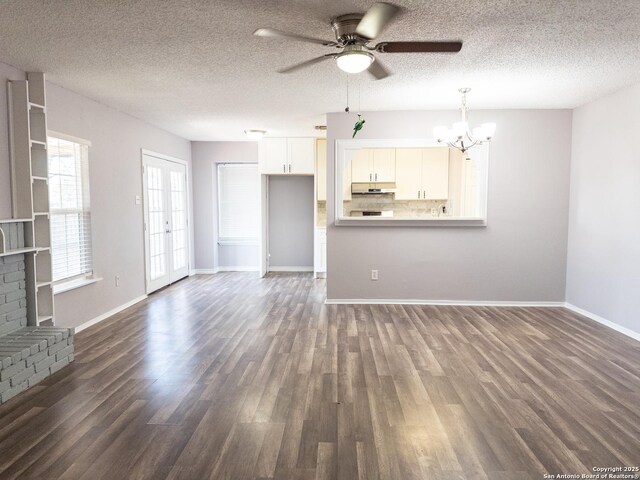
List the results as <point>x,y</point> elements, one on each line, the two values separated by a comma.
<point>69,206</point>
<point>238,203</point>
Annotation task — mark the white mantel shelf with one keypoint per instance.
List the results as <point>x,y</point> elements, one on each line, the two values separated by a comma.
<point>18,251</point>
<point>16,220</point>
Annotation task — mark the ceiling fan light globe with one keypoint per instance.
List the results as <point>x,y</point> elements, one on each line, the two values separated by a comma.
<point>354,61</point>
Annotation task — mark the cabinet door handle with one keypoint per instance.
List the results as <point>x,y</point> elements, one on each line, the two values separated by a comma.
<point>376,177</point>
<point>418,194</point>
<point>284,168</point>
<point>369,177</point>
<point>289,168</point>
<point>424,194</point>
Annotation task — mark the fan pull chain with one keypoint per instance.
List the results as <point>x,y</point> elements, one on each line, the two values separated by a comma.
<point>347,109</point>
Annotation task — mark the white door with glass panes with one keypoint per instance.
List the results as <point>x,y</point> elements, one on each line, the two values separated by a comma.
<point>165,222</point>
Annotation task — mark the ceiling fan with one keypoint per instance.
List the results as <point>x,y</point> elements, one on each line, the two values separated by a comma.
<point>353,33</point>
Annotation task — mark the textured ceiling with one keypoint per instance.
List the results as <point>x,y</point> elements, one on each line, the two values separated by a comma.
<point>194,68</point>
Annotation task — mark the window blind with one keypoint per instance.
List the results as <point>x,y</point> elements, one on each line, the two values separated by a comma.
<point>69,206</point>
<point>238,202</point>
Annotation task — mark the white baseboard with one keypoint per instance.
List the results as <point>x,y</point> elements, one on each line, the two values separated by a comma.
<point>603,321</point>
<point>290,269</point>
<point>108,314</point>
<point>238,269</point>
<point>462,303</point>
<point>212,271</point>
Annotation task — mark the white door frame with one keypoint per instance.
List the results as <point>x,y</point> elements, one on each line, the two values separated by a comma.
<point>144,152</point>
<point>264,229</point>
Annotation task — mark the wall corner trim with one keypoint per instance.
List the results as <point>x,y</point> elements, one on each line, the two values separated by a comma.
<point>108,314</point>
<point>603,321</point>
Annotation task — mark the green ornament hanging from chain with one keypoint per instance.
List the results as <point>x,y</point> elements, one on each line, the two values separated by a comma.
<point>358,125</point>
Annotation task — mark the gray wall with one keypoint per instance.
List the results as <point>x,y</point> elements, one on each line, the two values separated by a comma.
<point>291,205</point>
<point>115,180</point>
<point>519,256</point>
<point>208,254</point>
<point>603,266</point>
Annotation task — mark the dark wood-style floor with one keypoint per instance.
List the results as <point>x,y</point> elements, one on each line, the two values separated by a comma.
<point>233,377</point>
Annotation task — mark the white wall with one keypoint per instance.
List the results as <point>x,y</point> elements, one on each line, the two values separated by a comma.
<point>603,266</point>
<point>115,180</point>
<point>291,204</point>
<point>208,254</point>
<point>519,256</point>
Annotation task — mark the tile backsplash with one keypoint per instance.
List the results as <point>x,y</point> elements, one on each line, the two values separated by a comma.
<point>384,202</point>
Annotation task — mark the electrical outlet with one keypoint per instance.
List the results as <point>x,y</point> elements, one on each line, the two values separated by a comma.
<point>374,274</point>
<point>117,280</point>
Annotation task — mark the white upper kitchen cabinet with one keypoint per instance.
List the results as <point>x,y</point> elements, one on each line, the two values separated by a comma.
<point>374,165</point>
<point>408,174</point>
<point>284,156</point>
<point>301,156</point>
<point>422,174</point>
<point>435,173</point>
<point>384,165</point>
<point>272,153</point>
<point>362,166</point>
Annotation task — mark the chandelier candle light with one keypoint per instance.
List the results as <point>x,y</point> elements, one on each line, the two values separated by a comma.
<point>460,136</point>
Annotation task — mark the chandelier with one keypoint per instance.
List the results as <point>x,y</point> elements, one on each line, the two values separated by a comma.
<point>460,136</point>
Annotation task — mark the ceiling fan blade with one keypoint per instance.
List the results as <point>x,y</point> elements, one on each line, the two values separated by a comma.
<point>376,19</point>
<point>377,70</point>
<point>419,47</point>
<point>270,32</point>
<point>308,63</point>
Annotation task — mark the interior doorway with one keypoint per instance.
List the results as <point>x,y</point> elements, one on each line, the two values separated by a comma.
<point>291,223</point>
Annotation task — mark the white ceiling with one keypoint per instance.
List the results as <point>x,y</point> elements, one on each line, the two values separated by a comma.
<point>194,68</point>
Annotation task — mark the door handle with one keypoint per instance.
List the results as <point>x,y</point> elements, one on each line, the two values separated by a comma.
<point>289,168</point>
<point>369,177</point>
<point>167,231</point>
<point>284,168</point>
<point>424,194</point>
<point>376,177</point>
<point>418,194</point>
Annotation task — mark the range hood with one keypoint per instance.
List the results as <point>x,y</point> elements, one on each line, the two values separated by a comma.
<point>369,188</point>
